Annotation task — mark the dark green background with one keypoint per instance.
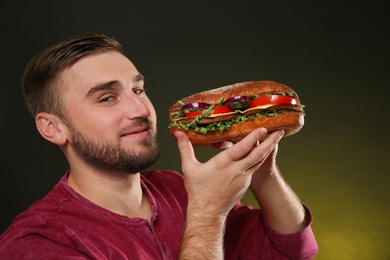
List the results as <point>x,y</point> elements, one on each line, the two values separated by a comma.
<point>335,55</point>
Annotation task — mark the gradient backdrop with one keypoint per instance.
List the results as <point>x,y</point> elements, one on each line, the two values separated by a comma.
<point>336,56</point>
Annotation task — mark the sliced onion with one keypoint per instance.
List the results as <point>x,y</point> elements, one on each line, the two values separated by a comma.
<point>237,99</point>
<point>195,106</point>
<point>238,102</point>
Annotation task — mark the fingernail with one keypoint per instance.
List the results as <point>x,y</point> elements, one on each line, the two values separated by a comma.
<point>178,135</point>
<point>226,145</point>
<point>281,133</point>
<point>263,131</point>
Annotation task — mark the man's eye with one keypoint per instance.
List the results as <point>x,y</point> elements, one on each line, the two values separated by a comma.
<point>138,91</point>
<point>106,99</point>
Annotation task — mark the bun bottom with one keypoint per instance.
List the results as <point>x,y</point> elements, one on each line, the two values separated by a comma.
<point>291,122</point>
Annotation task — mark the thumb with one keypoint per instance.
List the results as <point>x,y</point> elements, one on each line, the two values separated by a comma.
<point>185,148</point>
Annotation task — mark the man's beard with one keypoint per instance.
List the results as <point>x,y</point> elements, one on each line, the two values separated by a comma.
<point>110,156</point>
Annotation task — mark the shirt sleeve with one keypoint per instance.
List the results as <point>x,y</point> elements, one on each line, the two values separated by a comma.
<point>248,237</point>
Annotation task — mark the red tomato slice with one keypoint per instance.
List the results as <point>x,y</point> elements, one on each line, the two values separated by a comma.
<point>274,100</point>
<point>221,110</point>
<point>194,114</point>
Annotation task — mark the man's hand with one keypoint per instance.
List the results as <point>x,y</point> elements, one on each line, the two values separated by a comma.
<point>215,187</point>
<point>218,184</point>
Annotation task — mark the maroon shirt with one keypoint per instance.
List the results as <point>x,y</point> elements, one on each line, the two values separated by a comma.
<point>66,225</point>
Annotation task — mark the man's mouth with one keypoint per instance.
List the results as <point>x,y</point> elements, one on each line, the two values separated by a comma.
<point>137,131</point>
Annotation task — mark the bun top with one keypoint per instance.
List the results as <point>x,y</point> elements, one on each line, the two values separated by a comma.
<point>212,96</point>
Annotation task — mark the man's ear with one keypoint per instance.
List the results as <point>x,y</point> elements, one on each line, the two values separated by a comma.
<point>51,128</point>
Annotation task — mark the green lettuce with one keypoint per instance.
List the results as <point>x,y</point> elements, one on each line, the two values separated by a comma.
<point>223,125</point>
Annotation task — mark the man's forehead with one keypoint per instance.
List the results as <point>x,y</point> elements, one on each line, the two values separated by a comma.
<point>100,68</point>
<point>105,57</point>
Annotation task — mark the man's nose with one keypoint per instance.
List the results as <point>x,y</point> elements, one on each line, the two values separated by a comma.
<point>136,106</point>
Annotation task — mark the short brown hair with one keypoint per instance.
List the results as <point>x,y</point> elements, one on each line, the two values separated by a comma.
<point>39,90</point>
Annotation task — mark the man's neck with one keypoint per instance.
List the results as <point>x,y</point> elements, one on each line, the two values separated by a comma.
<point>119,193</point>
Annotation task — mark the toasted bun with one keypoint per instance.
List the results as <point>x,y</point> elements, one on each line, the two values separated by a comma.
<point>291,121</point>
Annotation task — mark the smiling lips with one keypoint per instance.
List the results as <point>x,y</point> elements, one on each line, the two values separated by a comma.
<point>144,130</point>
<point>138,128</point>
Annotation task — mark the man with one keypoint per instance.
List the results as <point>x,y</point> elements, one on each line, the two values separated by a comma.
<point>89,99</point>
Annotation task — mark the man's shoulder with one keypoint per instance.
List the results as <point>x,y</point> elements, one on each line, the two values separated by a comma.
<point>39,210</point>
<point>40,235</point>
<point>31,227</point>
<point>44,214</point>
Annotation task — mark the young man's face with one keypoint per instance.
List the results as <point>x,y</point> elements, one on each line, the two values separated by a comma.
<point>111,121</point>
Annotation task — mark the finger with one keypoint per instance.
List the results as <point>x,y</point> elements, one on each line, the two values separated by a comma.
<point>267,148</point>
<point>260,161</point>
<point>242,148</point>
<point>274,138</point>
<point>258,154</point>
<point>222,145</point>
<point>185,148</point>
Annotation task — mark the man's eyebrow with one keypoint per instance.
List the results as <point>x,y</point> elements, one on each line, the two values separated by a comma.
<point>139,77</point>
<point>111,85</point>
<point>103,86</point>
